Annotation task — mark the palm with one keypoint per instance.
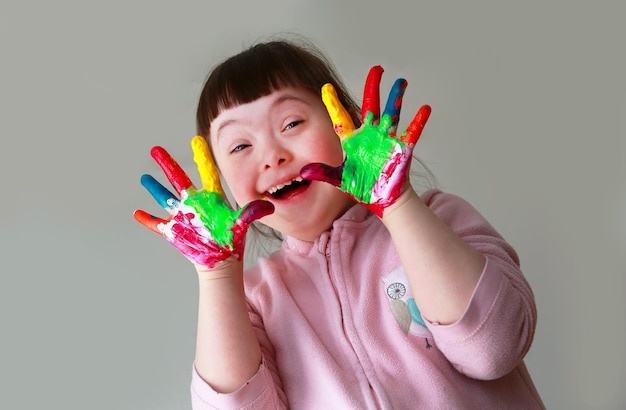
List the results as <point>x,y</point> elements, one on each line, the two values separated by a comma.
<point>376,164</point>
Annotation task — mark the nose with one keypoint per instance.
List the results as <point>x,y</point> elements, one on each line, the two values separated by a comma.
<point>271,163</point>
<point>276,155</point>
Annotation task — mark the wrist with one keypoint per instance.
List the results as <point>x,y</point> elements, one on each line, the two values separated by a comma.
<point>227,269</point>
<point>407,197</point>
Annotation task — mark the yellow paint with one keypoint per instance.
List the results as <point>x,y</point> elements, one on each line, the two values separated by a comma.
<point>338,114</point>
<point>206,166</point>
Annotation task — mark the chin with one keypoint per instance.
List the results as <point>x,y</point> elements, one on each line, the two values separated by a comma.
<point>308,215</point>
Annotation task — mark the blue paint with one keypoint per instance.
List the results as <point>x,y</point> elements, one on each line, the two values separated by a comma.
<point>161,194</point>
<point>394,103</point>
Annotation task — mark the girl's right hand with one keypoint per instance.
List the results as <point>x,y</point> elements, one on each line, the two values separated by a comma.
<point>201,225</point>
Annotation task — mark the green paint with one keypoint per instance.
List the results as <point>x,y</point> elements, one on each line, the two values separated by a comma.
<point>215,214</point>
<point>367,152</point>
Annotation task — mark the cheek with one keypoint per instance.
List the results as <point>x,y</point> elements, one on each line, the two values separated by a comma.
<point>331,150</point>
<point>236,185</point>
<point>241,190</point>
<point>331,143</point>
<point>325,147</point>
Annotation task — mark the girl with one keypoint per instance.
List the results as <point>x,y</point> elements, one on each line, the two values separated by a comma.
<point>377,297</point>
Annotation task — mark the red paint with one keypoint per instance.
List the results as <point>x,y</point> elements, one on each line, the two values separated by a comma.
<point>149,221</point>
<point>174,173</point>
<point>371,93</point>
<point>415,128</point>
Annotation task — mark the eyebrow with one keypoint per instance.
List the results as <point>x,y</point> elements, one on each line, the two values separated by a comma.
<point>222,126</point>
<point>276,102</point>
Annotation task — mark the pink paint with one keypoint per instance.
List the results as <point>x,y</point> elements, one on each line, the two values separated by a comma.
<point>390,184</point>
<point>196,243</point>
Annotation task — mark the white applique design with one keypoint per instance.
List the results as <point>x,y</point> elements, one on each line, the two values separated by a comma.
<point>403,305</point>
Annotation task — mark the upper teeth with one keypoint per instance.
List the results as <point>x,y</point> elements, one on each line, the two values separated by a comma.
<point>278,187</point>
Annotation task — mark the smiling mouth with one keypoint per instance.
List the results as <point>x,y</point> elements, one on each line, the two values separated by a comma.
<point>282,190</point>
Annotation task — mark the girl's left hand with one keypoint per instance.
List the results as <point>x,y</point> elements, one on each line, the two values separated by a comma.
<point>376,162</point>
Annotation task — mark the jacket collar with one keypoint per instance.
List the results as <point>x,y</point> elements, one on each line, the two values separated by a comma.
<point>356,214</point>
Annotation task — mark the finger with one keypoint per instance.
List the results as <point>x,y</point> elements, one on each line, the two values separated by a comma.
<point>206,166</point>
<point>371,95</point>
<point>414,130</point>
<point>256,210</point>
<point>322,172</point>
<point>342,122</point>
<point>174,173</point>
<point>161,194</point>
<point>391,115</point>
<point>149,221</point>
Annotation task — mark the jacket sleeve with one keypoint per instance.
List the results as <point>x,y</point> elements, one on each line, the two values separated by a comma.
<point>262,391</point>
<point>496,330</point>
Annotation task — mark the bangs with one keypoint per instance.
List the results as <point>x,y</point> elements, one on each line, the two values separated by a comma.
<point>250,77</point>
<point>259,71</point>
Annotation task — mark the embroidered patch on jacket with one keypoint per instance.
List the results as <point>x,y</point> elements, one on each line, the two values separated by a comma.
<point>402,304</point>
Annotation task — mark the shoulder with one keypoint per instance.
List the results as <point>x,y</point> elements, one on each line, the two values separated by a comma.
<point>450,207</point>
<point>268,274</point>
<point>265,268</point>
<point>467,222</point>
<point>262,281</point>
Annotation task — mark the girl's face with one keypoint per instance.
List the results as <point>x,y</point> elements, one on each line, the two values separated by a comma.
<point>260,148</point>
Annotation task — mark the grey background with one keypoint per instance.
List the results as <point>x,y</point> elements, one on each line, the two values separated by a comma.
<point>528,124</point>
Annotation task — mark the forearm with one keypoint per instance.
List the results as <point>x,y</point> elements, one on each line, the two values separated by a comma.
<point>443,270</point>
<point>227,351</point>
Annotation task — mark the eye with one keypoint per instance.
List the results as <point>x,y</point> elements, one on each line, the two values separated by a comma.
<point>239,148</point>
<point>292,124</point>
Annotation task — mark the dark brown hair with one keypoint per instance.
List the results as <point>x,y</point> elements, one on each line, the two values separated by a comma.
<point>262,69</point>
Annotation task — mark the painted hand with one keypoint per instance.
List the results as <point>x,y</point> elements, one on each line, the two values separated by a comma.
<point>376,162</point>
<point>202,226</point>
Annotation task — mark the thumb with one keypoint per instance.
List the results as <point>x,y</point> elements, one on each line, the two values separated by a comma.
<point>322,172</point>
<point>255,210</point>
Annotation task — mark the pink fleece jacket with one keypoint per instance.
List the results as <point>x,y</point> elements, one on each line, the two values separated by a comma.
<point>339,328</point>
